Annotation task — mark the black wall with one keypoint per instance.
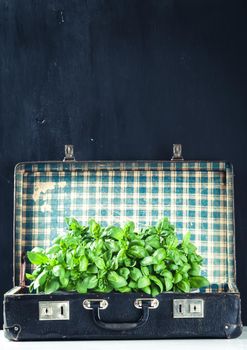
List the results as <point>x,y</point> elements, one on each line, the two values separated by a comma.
<point>122,79</point>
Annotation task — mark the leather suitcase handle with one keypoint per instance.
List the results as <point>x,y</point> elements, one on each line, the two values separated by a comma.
<point>120,326</point>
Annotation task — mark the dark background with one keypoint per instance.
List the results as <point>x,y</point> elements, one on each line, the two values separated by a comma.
<point>122,79</point>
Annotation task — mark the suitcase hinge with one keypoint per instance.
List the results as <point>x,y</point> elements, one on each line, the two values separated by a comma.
<point>22,270</point>
<point>177,152</point>
<point>69,153</point>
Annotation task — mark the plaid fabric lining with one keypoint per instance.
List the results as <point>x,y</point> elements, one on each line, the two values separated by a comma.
<point>196,196</point>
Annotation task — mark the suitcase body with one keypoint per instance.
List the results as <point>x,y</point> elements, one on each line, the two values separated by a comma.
<point>196,196</point>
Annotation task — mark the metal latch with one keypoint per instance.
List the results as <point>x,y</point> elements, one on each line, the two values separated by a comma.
<point>153,303</point>
<point>103,304</point>
<point>53,310</point>
<point>69,153</point>
<point>188,308</point>
<point>177,152</point>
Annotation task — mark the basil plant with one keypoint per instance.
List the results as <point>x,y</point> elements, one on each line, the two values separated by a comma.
<point>93,258</point>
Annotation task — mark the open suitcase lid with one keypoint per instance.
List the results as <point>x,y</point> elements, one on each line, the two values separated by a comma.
<point>196,196</point>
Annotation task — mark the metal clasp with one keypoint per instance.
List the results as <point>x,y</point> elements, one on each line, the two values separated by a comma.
<point>69,153</point>
<point>54,310</point>
<point>103,304</point>
<point>153,303</point>
<point>188,308</point>
<point>177,152</point>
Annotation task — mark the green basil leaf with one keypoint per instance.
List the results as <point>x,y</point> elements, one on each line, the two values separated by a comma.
<point>159,267</point>
<point>99,262</point>
<point>159,255</point>
<point>80,250</point>
<point>51,286</point>
<point>195,270</point>
<point>90,282</point>
<point>137,251</point>
<point>168,284</point>
<point>37,258</point>
<point>115,280</point>
<point>149,249</point>
<point>147,290</point>
<point>129,227</point>
<point>145,270</point>
<point>183,257</point>
<point>171,241</point>
<point>124,271</point>
<point>132,284</point>
<point>199,282</point>
<point>36,284</point>
<point>53,249</point>
<point>69,259</point>
<point>153,241</point>
<point>116,233</point>
<point>143,282</point>
<point>112,245</point>
<point>64,281</point>
<point>157,281</point>
<point>177,277</point>
<point>60,257</point>
<point>148,260</point>
<point>184,286</point>
<point>129,263</point>
<point>30,277</point>
<point>125,289</point>
<point>185,268</point>
<point>186,239</point>
<point>167,274</point>
<point>94,228</point>
<point>154,290</point>
<point>81,287</point>
<point>92,269</point>
<point>173,267</point>
<point>174,255</point>
<point>42,277</point>
<point>38,250</point>
<point>58,271</point>
<point>31,287</point>
<point>191,248</point>
<point>135,273</point>
<point>83,264</point>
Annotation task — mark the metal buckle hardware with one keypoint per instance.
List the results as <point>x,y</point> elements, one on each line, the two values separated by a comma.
<point>69,153</point>
<point>188,308</point>
<point>153,303</point>
<point>103,304</point>
<point>54,310</point>
<point>177,152</point>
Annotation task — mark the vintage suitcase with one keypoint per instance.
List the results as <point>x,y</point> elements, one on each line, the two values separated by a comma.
<point>197,196</point>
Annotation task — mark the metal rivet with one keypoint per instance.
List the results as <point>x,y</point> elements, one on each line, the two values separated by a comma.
<point>104,304</point>
<point>16,329</point>
<point>87,303</point>
<point>155,303</point>
<point>226,327</point>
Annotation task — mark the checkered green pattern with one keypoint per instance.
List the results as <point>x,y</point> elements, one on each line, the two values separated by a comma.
<point>196,196</point>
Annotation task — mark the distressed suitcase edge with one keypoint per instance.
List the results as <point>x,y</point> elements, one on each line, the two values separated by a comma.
<point>230,324</point>
<point>235,330</point>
